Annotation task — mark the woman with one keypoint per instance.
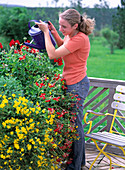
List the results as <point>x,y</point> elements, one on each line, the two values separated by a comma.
<point>74,50</point>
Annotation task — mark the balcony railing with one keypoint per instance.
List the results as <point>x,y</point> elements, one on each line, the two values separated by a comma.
<point>99,99</point>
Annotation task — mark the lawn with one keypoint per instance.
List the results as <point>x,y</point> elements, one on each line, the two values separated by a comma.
<point>102,64</point>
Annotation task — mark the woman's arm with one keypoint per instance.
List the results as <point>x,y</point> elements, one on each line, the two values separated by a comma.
<point>55,34</point>
<point>52,52</point>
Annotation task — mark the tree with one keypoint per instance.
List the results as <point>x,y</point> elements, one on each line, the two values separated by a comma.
<point>76,4</point>
<point>56,1</point>
<point>103,7</point>
<point>14,23</point>
<point>119,24</point>
<point>111,38</point>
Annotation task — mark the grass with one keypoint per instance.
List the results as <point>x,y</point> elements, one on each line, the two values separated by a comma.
<point>102,64</point>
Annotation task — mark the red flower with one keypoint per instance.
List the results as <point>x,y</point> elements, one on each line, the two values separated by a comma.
<point>1,46</point>
<point>58,160</point>
<point>17,42</point>
<point>27,41</point>
<point>78,99</point>
<point>43,96</point>
<point>12,42</point>
<point>51,85</point>
<point>69,161</point>
<point>64,87</point>
<point>65,155</point>
<point>16,51</point>
<point>22,58</point>
<point>37,84</point>
<point>56,98</point>
<point>47,100</point>
<point>59,61</point>
<point>62,79</point>
<point>34,51</point>
<point>58,113</point>
<point>41,85</point>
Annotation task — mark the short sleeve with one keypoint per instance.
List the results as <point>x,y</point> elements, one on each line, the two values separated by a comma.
<point>74,43</point>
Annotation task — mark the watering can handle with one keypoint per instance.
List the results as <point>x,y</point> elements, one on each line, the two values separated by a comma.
<point>30,22</point>
<point>34,21</point>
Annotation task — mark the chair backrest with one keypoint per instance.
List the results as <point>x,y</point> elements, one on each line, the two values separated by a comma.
<point>119,107</point>
<point>119,98</point>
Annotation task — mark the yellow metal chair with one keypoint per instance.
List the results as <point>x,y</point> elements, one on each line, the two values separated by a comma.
<point>113,137</point>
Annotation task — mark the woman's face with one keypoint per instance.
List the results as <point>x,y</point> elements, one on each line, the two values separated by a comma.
<point>65,27</point>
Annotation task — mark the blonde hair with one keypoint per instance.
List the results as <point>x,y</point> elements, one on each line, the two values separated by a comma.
<point>85,24</point>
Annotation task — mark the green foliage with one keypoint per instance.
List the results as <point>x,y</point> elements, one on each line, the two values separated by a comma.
<point>111,38</point>
<point>27,67</point>
<point>37,124</point>
<point>14,22</point>
<point>10,85</point>
<point>119,25</point>
<point>102,64</point>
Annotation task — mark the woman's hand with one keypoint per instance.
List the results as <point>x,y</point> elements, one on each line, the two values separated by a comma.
<point>51,28</point>
<point>42,26</point>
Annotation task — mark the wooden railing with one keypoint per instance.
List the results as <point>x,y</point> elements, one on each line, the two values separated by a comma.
<point>99,99</point>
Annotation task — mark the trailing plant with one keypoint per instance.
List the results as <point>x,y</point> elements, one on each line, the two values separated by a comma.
<point>37,117</point>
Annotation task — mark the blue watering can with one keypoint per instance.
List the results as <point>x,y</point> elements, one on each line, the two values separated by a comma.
<point>37,37</point>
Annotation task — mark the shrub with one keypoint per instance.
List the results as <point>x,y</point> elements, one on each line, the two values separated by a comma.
<point>37,127</point>
<point>10,85</point>
<point>27,65</point>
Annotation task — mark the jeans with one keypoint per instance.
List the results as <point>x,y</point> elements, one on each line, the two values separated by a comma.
<point>78,148</point>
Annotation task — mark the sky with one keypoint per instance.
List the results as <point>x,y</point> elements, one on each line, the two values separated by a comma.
<point>61,3</point>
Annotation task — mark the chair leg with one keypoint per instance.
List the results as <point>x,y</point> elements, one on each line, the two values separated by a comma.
<point>101,151</point>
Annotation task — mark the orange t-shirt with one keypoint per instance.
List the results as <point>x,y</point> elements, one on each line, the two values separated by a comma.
<point>75,63</point>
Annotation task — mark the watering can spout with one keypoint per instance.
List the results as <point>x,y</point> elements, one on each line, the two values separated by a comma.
<point>32,45</point>
<point>38,37</point>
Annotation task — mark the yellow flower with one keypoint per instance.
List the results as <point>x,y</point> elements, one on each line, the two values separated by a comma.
<point>16,145</point>
<point>31,120</point>
<point>5,85</point>
<point>43,111</point>
<point>11,132</point>
<point>2,156</point>
<point>4,124</point>
<point>29,146</point>
<point>2,105</point>
<point>54,145</point>
<point>22,150</point>
<point>13,95</point>
<point>37,130</point>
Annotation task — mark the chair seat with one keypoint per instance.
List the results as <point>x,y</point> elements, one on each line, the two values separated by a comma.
<point>107,137</point>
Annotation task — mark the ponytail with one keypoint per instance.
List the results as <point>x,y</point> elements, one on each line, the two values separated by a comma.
<point>86,25</point>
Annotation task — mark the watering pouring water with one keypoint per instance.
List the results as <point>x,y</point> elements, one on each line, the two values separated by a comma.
<point>38,37</point>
